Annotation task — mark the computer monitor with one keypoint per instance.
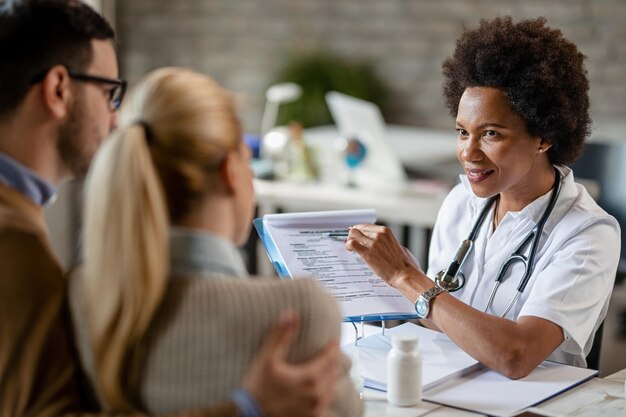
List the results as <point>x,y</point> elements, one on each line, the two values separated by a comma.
<point>360,119</point>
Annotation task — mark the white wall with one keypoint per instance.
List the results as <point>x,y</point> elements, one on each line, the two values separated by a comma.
<point>96,4</point>
<point>105,7</point>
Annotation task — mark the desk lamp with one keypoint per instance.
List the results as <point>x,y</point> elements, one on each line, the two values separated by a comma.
<point>275,141</point>
<point>275,96</point>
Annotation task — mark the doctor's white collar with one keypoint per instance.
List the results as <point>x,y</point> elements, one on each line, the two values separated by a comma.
<point>534,210</point>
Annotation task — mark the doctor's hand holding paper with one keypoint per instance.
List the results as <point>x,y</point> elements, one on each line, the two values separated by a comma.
<point>522,260</point>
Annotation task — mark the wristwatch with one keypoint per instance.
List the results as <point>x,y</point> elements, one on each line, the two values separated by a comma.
<point>422,304</point>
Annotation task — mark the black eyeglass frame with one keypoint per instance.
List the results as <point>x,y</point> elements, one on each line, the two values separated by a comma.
<point>116,95</point>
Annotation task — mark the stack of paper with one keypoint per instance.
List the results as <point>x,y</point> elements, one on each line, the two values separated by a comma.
<point>496,395</point>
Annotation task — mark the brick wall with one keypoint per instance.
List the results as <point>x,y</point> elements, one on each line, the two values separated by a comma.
<point>241,43</point>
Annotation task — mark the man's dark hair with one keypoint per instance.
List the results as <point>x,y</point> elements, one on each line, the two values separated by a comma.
<point>36,35</point>
<point>540,72</point>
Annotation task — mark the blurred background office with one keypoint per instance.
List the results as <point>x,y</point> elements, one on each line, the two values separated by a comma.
<point>245,43</point>
<point>392,51</point>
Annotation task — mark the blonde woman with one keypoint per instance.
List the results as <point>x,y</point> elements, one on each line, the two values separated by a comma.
<point>166,319</point>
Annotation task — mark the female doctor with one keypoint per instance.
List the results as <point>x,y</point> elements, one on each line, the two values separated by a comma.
<point>519,93</point>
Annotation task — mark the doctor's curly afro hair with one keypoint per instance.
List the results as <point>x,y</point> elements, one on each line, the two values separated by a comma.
<point>540,72</point>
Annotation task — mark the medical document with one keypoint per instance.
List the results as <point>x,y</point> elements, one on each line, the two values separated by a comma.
<point>312,245</point>
<point>491,393</point>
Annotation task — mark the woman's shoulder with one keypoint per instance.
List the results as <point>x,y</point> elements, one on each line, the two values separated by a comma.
<point>256,301</point>
<point>585,211</point>
<point>216,325</point>
<point>263,289</point>
<point>581,217</point>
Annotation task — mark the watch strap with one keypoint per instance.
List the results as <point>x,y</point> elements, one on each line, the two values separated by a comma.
<point>426,298</point>
<point>432,293</point>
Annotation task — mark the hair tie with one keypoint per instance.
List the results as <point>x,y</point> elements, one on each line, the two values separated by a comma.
<point>148,131</point>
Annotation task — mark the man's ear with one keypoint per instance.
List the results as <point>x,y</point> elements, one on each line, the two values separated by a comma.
<point>56,92</point>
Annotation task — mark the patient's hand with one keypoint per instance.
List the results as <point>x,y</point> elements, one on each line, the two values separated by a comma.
<point>284,389</point>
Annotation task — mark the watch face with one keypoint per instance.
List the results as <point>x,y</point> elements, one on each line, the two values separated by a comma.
<point>421,307</point>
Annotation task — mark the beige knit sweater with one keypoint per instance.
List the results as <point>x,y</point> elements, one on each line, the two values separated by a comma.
<point>207,331</point>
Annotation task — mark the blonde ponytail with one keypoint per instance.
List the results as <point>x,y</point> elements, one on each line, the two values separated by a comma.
<point>126,262</point>
<point>141,181</point>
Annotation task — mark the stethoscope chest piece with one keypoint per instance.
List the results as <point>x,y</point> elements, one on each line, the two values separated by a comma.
<point>451,284</point>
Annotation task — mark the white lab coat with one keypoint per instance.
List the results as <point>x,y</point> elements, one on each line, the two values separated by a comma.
<point>575,263</point>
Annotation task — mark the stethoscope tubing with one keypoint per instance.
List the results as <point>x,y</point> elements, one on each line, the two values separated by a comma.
<point>449,277</point>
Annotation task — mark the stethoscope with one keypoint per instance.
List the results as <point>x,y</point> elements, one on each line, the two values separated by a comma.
<point>451,279</point>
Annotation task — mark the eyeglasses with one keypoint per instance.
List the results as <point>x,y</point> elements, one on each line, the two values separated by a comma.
<point>116,94</point>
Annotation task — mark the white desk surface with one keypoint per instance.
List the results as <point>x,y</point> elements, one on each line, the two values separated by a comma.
<point>598,396</point>
<point>417,207</point>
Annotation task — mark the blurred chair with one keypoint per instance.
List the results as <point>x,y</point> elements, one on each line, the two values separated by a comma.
<point>593,358</point>
<point>605,163</point>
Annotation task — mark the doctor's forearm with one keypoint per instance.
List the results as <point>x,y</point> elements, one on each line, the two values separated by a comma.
<point>496,342</point>
<point>513,348</point>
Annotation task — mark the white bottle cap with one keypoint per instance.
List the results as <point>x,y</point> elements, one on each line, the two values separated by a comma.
<point>404,342</point>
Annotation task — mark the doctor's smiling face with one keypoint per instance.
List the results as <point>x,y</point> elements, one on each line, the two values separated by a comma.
<point>496,150</point>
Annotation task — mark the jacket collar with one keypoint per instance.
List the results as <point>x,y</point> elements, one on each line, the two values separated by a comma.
<point>199,253</point>
<point>26,181</point>
<point>535,209</point>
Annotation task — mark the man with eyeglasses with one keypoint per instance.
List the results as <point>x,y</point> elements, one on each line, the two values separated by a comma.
<point>117,88</point>
<point>59,92</point>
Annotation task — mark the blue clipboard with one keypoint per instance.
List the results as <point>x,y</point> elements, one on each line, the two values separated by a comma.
<point>272,252</point>
<point>279,265</point>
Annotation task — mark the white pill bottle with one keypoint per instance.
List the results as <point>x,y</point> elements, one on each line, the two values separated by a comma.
<point>404,372</point>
